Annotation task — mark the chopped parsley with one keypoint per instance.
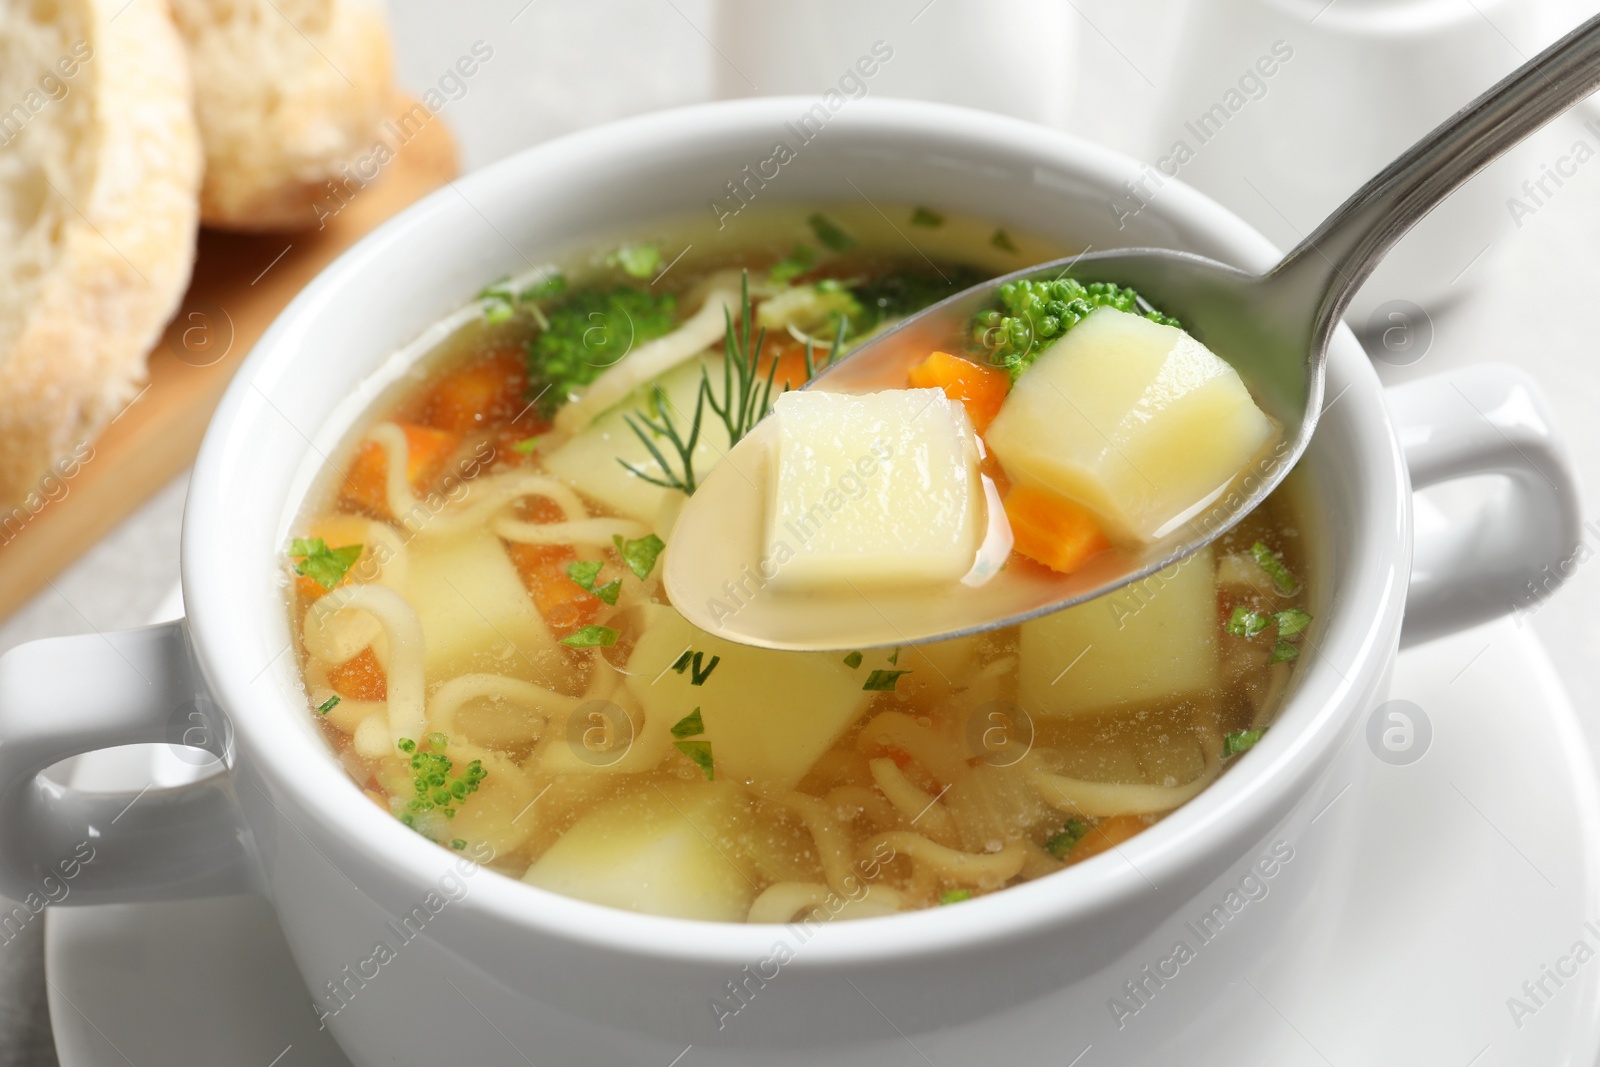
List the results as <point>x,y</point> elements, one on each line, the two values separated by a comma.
<point>500,303</point>
<point>323,565</point>
<point>853,660</point>
<point>1281,576</point>
<point>882,681</point>
<point>591,637</point>
<point>921,216</point>
<point>894,658</point>
<point>1246,623</point>
<point>699,753</point>
<point>695,663</point>
<point>638,261</point>
<point>955,896</point>
<point>1002,240</point>
<point>698,676</point>
<point>586,572</point>
<point>830,234</point>
<point>1061,843</point>
<point>796,263</point>
<point>435,787</point>
<point>1291,621</point>
<point>1283,652</point>
<point>1241,741</point>
<point>526,446</point>
<point>328,705</point>
<point>640,555</point>
<point>689,726</point>
<point>458,843</point>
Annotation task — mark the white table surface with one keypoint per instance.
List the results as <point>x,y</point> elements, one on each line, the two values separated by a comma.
<point>561,65</point>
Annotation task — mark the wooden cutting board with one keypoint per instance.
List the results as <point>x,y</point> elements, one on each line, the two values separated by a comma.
<point>240,284</point>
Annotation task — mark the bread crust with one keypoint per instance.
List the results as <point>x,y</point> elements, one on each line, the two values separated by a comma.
<point>288,93</point>
<point>124,251</point>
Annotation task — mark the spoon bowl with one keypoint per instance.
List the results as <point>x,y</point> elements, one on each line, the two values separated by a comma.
<point>1272,328</point>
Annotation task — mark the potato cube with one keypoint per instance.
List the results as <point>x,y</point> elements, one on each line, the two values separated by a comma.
<point>768,715</point>
<point>1153,640</point>
<point>476,614</point>
<point>879,489</point>
<point>671,850</point>
<point>1137,421</point>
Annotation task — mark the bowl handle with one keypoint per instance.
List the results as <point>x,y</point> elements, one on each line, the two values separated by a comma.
<point>64,696</point>
<point>1522,543</point>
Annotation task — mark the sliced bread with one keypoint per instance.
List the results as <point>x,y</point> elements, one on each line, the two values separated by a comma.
<point>99,176</point>
<point>289,93</point>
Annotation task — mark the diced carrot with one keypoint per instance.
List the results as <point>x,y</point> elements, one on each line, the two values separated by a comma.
<point>1105,835</point>
<point>366,482</point>
<point>981,390</point>
<point>360,677</point>
<point>565,604</point>
<point>478,395</point>
<point>1051,529</point>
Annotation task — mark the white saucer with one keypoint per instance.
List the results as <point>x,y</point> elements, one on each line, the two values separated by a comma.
<point>1479,869</point>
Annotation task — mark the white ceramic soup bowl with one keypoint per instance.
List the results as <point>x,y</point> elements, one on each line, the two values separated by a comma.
<point>412,955</point>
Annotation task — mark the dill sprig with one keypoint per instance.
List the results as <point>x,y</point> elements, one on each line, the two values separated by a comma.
<point>746,399</point>
<point>665,426</point>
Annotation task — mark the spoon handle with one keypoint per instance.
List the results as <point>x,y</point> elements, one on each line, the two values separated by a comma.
<point>1326,268</point>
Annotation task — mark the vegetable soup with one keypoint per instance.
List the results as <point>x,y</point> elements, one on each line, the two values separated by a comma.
<point>476,585</point>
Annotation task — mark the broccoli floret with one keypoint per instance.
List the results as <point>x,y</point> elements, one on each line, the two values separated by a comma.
<point>1036,312</point>
<point>894,296</point>
<point>588,332</point>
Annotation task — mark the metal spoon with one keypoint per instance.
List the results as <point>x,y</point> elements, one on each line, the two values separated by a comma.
<point>1273,328</point>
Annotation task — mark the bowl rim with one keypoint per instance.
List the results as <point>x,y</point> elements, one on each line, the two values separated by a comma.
<point>1363,635</point>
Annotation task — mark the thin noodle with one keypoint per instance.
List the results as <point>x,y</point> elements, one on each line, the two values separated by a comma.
<point>462,689</point>
<point>1101,799</point>
<point>487,496</point>
<point>938,755</point>
<point>580,531</point>
<point>563,750</point>
<point>332,635</point>
<point>869,803</point>
<point>404,633</point>
<point>783,902</point>
<point>397,459</point>
<point>913,803</point>
<point>986,870</point>
<point>833,842</point>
